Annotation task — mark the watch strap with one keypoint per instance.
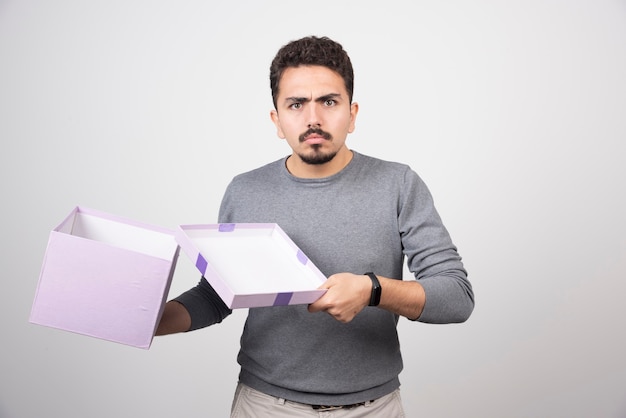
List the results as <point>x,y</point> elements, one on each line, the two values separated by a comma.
<point>376,289</point>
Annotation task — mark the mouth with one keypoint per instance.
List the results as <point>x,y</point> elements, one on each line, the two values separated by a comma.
<point>315,136</point>
<point>314,140</point>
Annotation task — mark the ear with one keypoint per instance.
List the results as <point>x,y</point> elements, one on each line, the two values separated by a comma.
<point>276,120</point>
<point>354,109</point>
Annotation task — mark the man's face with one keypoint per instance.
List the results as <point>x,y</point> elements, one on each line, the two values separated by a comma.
<point>313,113</point>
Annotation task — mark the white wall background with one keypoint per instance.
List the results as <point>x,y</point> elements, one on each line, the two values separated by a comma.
<point>513,112</point>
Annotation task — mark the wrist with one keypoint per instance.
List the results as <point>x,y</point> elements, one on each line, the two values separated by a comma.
<point>376,289</point>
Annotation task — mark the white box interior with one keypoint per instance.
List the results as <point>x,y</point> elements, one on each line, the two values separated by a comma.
<point>120,235</point>
<point>254,260</point>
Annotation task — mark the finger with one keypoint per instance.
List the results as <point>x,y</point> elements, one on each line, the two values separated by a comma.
<point>314,307</point>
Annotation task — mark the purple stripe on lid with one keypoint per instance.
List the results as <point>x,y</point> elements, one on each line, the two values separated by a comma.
<point>282,299</point>
<point>226,227</point>
<point>301,257</point>
<point>201,264</point>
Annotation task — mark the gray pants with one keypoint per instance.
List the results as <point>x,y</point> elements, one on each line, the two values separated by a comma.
<point>250,403</point>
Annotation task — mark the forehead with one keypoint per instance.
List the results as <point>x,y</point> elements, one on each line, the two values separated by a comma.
<point>310,80</point>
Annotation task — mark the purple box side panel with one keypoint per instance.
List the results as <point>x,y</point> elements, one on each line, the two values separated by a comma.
<point>101,291</point>
<point>276,299</point>
<point>226,227</point>
<point>302,258</point>
<point>249,301</point>
<point>201,264</point>
<point>283,299</point>
<point>306,297</point>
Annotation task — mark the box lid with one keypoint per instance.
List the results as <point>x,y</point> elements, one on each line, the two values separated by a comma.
<point>251,264</point>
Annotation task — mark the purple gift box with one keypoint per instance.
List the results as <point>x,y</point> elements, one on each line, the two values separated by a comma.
<point>106,277</point>
<point>251,264</point>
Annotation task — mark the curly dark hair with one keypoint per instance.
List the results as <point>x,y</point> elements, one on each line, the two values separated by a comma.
<point>312,50</point>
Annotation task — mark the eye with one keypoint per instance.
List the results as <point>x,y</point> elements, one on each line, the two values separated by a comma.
<point>329,102</point>
<point>295,106</point>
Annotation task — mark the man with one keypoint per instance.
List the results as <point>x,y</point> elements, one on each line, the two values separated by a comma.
<point>356,218</point>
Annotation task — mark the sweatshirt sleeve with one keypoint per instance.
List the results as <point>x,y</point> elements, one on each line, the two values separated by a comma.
<point>204,305</point>
<point>432,257</point>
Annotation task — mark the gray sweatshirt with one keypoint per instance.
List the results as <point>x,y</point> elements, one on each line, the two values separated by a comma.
<point>371,216</point>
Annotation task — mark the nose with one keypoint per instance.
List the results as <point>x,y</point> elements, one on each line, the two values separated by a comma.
<point>314,116</point>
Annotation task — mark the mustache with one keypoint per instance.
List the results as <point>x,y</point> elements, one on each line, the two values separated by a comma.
<point>315,131</point>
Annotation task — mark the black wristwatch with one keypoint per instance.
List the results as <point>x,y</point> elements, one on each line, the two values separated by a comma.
<point>376,289</point>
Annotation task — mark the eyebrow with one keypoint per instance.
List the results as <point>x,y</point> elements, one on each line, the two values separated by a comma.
<point>330,96</point>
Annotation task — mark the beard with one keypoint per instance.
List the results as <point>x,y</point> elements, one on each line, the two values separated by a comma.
<point>316,156</point>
